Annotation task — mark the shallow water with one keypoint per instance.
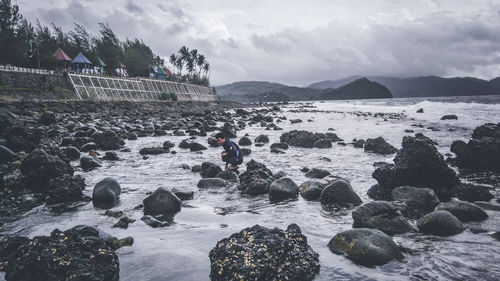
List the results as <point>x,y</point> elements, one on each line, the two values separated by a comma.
<point>180,251</point>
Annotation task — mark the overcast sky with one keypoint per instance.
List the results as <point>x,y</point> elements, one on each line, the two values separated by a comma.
<point>298,42</point>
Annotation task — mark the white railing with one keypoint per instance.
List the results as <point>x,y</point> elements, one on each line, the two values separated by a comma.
<point>26,70</point>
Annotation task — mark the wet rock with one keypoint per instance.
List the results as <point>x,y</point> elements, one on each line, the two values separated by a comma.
<point>6,154</point>
<point>339,193</point>
<point>153,222</point>
<point>39,167</point>
<point>183,194</point>
<point>196,168</point>
<point>464,211</point>
<point>20,138</point>
<point>418,164</point>
<point>132,136</point>
<point>108,140</point>
<point>256,179</point>
<point>449,117</point>
<point>106,193</point>
<point>379,146</point>
<point>311,190</point>
<point>440,223</point>
<point>229,131</point>
<point>365,246</point>
<point>381,215</point>
<point>300,138</point>
<point>65,188</point>
<point>211,183</point>
<point>161,202</point>
<point>213,142</point>
<point>113,214</point>
<point>184,144</point>
<point>229,176</point>
<point>262,139</point>
<point>283,188</point>
<point>322,143</point>
<point>279,145</point>
<point>168,144</point>
<point>124,222</point>
<point>317,173</point>
<point>71,152</point>
<point>89,162</point>
<point>473,192</point>
<point>259,253</point>
<point>78,253</point>
<point>246,151</point>
<point>496,235</point>
<point>194,146</point>
<point>421,110</point>
<point>424,138</point>
<point>209,170</point>
<point>244,141</point>
<point>88,147</point>
<point>277,151</point>
<point>359,143</point>
<point>153,150</point>
<point>379,192</point>
<point>111,155</point>
<point>47,118</point>
<point>416,202</point>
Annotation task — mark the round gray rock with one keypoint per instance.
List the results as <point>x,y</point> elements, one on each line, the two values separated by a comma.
<point>211,182</point>
<point>339,193</point>
<point>311,190</point>
<point>161,202</point>
<point>282,189</point>
<point>440,223</point>
<point>464,211</point>
<point>381,215</point>
<point>107,191</point>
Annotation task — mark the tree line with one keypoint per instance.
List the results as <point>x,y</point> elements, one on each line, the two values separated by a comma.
<point>26,45</point>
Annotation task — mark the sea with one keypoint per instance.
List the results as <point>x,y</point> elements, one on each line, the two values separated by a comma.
<point>180,251</point>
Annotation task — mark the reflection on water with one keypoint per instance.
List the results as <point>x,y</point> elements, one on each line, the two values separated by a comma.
<point>180,251</point>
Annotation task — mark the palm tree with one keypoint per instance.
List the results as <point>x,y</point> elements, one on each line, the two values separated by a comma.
<point>206,69</point>
<point>190,64</point>
<point>173,60</point>
<point>200,61</point>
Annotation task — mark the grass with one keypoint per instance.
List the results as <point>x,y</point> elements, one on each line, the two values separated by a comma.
<point>10,88</point>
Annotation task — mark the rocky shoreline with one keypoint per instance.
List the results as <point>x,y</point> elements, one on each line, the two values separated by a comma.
<point>39,140</point>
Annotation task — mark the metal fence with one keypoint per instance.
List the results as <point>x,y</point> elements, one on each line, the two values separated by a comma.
<point>25,69</point>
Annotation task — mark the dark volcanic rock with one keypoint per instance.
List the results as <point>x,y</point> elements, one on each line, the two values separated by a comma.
<point>464,211</point>
<point>380,215</point>
<point>359,143</point>
<point>365,246</point>
<point>39,167</point>
<point>132,136</point>
<point>300,138</point>
<point>311,190</point>
<point>473,192</point>
<point>379,192</point>
<point>88,147</point>
<point>282,189</point>
<point>379,146</point>
<point>258,253</point>
<point>262,139</point>
<point>194,146</point>
<point>20,138</point>
<point>417,201</point>
<point>246,151</point>
<point>244,141</point>
<point>256,179</point>
<point>279,145</point>
<point>106,192</point>
<point>229,131</point>
<point>213,142</point>
<point>419,164</point>
<point>71,152</point>
<point>153,150</point>
<point>6,154</point>
<point>322,143</point>
<point>211,182</point>
<point>89,162</point>
<point>78,253</point>
<point>65,188</point>
<point>161,202</point>
<point>111,155</point>
<point>229,176</point>
<point>108,140</point>
<point>209,170</point>
<point>441,223</point>
<point>339,193</point>
<point>47,118</point>
<point>183,194</point>
<point>168,144</point>
<point>449,117</point>
<point>317,173</point>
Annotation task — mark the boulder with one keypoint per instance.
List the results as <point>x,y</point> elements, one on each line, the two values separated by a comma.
<point>473,192</point>
<point>464,211</point>
<point>65,189</point>
<point>194,146</point>
<point>259,253</point>
<point>20,138</point>
<point>311,190</point>
<point>168,144</point>
<point>47,118</point>
<point>244,141</point>
<point>379,192</point>
<point>300,138</point>
<point>418,164</point>
<point>89,163</point>
<point>88,147</point>
<point>229,176</point>
<point>424,138</point>
<point>283,188</point>
<point>183,194</point>
<point>123,222</point>
<point>262,139</point>
<point>279,145</point>
<point>153,150</point>
<point>339,193</point>
<point>440,223</point>
<point>71,152</point>
<point>79,253</point>
<point>153,222</point>
<point>317,173</point>
<point>449,117</point>
<point>229,131</point>
<point>416,202</point>
<point>162,202</point>
<point>246,151</point>
<point>111,155</point>
<point>209,170</point>
<point>256,179</point>
<point>322,143</point>
<point>184,144</point>
<point>196,168</point>
<point>6,154</point>
<point>421,110</point>
<point>106,193</point>
<point>213,142</point>
<point>132,136</point>
<point>365,246</point>
<point>39,167</point>
<point>108,140</point>
<point>211,182</point>
<point>380,215</point>
<point>379,146</point>
<point>359,143</point>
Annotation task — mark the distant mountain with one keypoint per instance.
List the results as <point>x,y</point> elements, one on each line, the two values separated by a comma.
<point>426,86</point>
<point>255,91</point>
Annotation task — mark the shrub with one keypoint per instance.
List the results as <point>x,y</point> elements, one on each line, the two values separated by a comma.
<point>165,96</point>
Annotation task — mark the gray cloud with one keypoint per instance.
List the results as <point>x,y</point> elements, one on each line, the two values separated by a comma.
<point>131,7</point>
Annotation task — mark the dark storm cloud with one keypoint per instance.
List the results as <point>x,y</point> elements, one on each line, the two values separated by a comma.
<point>131,7</point>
